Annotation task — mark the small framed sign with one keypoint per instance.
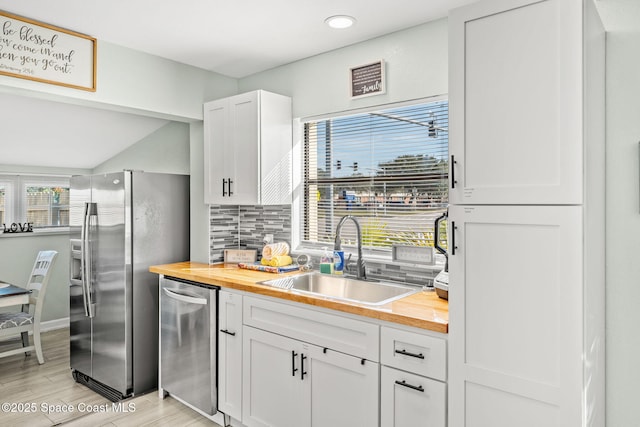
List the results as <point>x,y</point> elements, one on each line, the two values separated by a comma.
<point>41,52</point>
<point>367,80</point>
<point>240,255</point>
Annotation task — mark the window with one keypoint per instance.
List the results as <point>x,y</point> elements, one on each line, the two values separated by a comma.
<point>42,201</point>
<point>389,168</point>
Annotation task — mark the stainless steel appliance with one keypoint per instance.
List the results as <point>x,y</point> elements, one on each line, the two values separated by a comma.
<point>188,347</point>
<point>121,223</point>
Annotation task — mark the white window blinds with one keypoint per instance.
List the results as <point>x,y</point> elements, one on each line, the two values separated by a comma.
<point>388,168</point>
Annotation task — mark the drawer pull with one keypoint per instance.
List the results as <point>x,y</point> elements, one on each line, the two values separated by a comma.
<point>224,331</point>
<point>413,387</point>
<point>406,353</point>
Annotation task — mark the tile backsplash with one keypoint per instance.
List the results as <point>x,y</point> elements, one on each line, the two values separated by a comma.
<point>244,227</point>
<point>223,230</point>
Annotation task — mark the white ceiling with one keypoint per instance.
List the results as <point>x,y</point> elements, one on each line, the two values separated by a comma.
<point>231,37</point>
<point>234,37</point>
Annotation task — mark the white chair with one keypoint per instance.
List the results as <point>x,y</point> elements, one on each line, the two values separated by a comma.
<point>23,322</point>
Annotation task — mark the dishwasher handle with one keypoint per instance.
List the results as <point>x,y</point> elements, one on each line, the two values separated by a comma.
<point>184,297</point>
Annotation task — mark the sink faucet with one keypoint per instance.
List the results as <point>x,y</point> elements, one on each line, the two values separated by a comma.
<point>361,272</point>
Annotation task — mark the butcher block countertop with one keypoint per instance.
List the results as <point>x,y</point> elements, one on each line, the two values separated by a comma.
<point>421,310</point>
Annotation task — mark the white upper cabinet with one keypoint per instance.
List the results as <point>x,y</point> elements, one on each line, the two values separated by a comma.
<point>517,92</point>
<point>247,149</point>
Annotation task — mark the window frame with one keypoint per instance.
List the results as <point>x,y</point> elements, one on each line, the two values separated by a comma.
<point>16,206</point>
<point>297,207</point>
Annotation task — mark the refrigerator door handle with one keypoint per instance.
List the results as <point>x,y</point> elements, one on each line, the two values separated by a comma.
<point>184,297</point>
<point>90,209</point>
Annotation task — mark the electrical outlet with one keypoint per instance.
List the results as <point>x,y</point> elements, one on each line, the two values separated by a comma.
<point>413,254</point>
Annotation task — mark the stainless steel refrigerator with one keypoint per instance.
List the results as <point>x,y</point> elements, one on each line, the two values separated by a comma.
<point>121,223</point>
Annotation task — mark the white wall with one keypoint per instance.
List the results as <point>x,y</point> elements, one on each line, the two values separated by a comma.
<point>199,211</point>
<point>623,229</point>
<point>136,82</point>
<point>165,150</point>
<point>416,67</point>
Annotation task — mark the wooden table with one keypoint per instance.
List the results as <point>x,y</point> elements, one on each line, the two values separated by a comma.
<point>13,295</point>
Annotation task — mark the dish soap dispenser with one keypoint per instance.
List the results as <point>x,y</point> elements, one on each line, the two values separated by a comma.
<point>326,262</point>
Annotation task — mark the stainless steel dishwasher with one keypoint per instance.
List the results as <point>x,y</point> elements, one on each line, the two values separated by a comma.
<point>188,342</point>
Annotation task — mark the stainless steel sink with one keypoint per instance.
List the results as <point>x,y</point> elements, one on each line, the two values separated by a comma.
<point>342,288</point>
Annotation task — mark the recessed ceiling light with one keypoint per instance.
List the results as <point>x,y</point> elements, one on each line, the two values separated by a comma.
<point>340,21</point>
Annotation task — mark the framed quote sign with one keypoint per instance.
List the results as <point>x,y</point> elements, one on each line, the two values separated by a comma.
<point>36,51</point>
<point>367,80</point>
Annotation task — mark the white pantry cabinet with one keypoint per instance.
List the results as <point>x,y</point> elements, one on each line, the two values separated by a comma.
<point>230,354</point>
<point>516,98</point>
<point>247,149</point>
<point>526,238</point>
<point>517,341</point>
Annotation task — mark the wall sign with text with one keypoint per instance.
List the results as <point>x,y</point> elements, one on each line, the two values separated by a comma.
<point>367,80</point>
<point>36,51</point>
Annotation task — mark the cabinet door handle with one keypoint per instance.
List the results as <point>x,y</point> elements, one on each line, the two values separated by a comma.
<point>453,172</point>
<point>224,331</point>
<point>302,371</point>
<point>230,182</point>
<point>293,363</point>
<point>224,187</point>
<point>403,383</point>
<point>406,353</point>
<point>453,238</point>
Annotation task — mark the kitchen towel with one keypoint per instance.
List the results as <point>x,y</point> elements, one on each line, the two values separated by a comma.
<point>275,249</point>
<point>280,261</point>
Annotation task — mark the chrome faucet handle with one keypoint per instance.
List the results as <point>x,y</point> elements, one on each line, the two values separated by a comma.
<point>348,265</point>
<point>348,259</point>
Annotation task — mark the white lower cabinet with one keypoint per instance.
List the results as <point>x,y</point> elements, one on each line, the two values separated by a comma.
<point>282,364</point>
<point>289,383</point>
<point>344,389</point>
<point>275,390</point>
<point>230,354</point>
<point>409,400</point>
<point>412,388</point>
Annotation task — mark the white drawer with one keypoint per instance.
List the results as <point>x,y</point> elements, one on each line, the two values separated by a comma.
<point>412,352</point>
<point>411,400</point>
<point>339,333</point>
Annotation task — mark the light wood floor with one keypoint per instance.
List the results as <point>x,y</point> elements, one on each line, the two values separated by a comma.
<point>23,381</point>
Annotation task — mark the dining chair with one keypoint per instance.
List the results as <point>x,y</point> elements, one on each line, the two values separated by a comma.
<point>28,320</point>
